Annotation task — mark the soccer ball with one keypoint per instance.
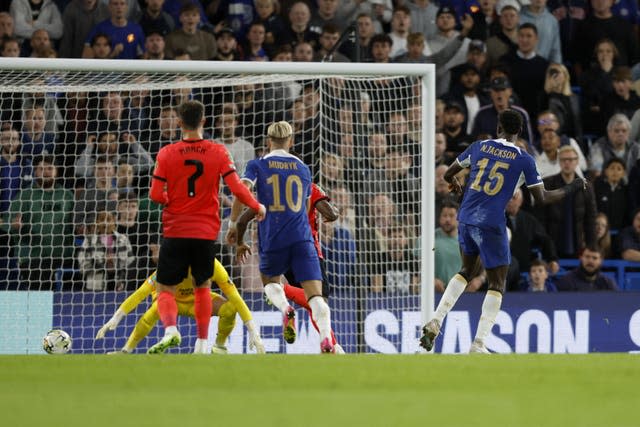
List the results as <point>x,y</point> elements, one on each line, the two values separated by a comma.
<point>56,341</point>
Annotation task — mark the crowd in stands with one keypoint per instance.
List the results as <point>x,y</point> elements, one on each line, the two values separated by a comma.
<point>75,166</point>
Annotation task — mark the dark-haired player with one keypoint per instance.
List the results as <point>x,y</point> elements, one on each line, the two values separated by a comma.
<point>186,181</point>
<point>498,168</point>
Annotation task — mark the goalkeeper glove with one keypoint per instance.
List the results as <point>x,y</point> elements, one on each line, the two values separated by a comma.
<point>111,324</point>
<point>255,342</point>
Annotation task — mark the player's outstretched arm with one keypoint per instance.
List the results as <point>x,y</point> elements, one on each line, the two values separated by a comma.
<point>242,193</point>
<point>127,305</point>
<point>328,210</point>
<point>545,197</point>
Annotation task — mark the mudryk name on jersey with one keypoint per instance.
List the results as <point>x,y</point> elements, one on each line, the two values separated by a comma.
<point>277,164</point>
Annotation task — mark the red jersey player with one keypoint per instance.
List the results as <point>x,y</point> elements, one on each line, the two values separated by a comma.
<point>186,181</point>
<point>320,202</point>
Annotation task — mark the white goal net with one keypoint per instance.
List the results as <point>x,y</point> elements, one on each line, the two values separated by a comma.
<point>79,233</point>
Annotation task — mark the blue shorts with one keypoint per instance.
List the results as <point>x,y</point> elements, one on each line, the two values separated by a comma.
<point>491,245</point>
<point>301,258</point>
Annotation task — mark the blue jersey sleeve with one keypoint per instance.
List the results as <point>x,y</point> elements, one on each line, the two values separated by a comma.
<point>531,175</point>
<point>251,172</point>
<point>464,159</point>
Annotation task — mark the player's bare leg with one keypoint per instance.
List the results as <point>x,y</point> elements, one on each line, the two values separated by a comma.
<point>168,312</point>
<point>274,290</point>
<point>455,288</point>
<point>320,312</point>
<point>497,278</point>
<point>298,296</point>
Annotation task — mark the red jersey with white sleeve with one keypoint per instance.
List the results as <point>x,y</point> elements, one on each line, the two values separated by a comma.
<point>317,194</point>
<point>186,180</point>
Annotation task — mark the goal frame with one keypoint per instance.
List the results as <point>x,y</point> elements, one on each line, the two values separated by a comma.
<point>427,72</point>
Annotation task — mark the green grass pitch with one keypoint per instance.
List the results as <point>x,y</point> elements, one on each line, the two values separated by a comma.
<point>353,390</point>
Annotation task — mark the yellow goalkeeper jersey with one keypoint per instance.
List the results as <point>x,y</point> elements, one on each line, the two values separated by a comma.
<point>184,292</point>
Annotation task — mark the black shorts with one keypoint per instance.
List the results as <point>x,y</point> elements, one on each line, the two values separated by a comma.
<point>178,254</point>
<point>326,289</point>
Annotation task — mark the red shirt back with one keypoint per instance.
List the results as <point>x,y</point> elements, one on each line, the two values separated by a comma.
<point>317,194</point>
<point>192,170</point>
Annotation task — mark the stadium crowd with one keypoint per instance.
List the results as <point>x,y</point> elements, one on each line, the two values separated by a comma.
<point>75,166</point>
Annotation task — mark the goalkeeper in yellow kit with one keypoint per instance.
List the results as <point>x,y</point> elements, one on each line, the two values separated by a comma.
<point>226,311</point>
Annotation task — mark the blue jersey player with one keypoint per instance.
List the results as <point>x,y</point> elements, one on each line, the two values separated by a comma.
<point>498,168</point>
<point>285,242</point>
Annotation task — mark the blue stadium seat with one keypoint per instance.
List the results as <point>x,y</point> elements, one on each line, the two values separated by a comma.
<point>632,281</point>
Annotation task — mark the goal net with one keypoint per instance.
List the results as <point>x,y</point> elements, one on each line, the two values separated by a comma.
<point>79,233</point>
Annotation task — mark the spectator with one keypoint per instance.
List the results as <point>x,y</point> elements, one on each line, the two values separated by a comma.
<point>254,49</point>
<point>400,270</point>
<point>10,47</point>
<point>35,140</point>
<point>447,251</point>
<point>602,23</point>
<point>362,51</point>
<point>143,235</point>
<point>113,116</point>
<point>40,219</point>
<point>623,99</point>
<point>547,120</point>
<point>105,256</point>
<point>630,239</point>
<point>528,236</point>
<point>457,138</point>
<point>199,44</point>
<point>467,93</point>
<point>165,132</point>
<point>101,47</point>
<point>299,29</point>
<point>615,144</point>
<point>400,27</point>
<point>441,147</point>
<point>536,13</point>
<point>527,68</point>
<point>634,186</point>
<point>226,124</point>
<point>40,44</point>
<point>343,200</point>
<point>339,249</point>
<point>106,145</point>
<point>126,37</point>
<point>547,159</point>
<point>99,195</point>
<point>558,97</point>
<point>328,38</point>
<point>603,236</point>
<point>587,277</point>
<point>485,21</point>
<point>79,17</point>
<point>155,20</point>
<point>273,23</point>
<point>9,273</point>
<point>569,14</point>
<point>326,14</point>
<point>402,185</point>
<point>505,41</point>
<point>7,27</point>
<point>15,170</point>
<point>154,45</point>
<point>125,177</point>
<point>570,222</point>
<point>32,15</point>
<point>539,278</point>
<point>423,16</point>
<point>597,83</point>
<point>611,193</point>
<point>303,52</point>
<point>486,121</point>
<point>381,48</point>
<point>227,44</point>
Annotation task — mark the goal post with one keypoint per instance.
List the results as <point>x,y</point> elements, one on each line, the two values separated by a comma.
<point>367,131</point>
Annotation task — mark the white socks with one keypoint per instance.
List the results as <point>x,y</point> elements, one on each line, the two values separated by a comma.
<point>454,289</point>
<point>275,293</point>
<point>490,309</point>
<point>171,330</point>
<point>201,346</point>
<point>322,316</point>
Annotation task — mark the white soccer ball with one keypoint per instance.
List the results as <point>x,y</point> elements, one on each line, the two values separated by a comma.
<point>56,341</point>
